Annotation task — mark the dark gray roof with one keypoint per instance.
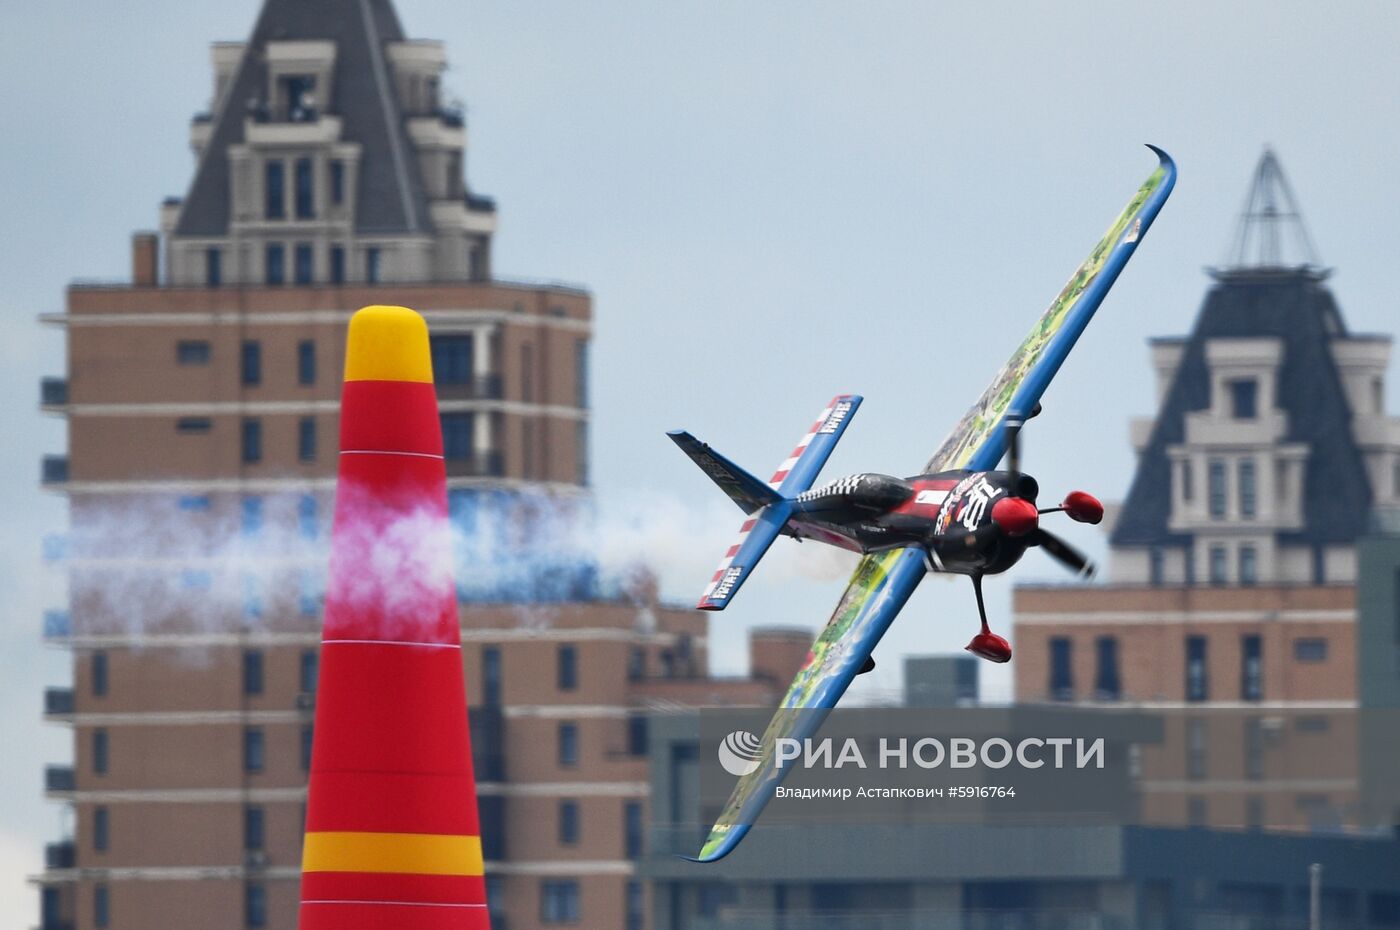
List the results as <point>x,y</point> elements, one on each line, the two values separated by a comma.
<point>1295,306</point>
<point>390,198</point>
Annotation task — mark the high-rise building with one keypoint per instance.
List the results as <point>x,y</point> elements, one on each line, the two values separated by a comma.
<point>201,401</point>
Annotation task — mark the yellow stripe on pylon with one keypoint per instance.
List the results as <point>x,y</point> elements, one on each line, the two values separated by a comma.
<point>402,853</point>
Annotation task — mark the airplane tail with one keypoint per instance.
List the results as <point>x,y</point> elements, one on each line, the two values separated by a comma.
<point>768,505</point>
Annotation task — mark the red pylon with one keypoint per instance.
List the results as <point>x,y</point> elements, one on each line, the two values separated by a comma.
<point>392,839</point>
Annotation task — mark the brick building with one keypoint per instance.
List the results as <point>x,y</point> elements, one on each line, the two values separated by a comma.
<point>1233,576</point>
<point>201,401</point>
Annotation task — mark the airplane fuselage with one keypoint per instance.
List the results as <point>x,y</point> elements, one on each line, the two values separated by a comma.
<point>949,514</point>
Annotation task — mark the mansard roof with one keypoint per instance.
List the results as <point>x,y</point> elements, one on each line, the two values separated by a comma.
<point>390,199</point>
<point>1294,305</point>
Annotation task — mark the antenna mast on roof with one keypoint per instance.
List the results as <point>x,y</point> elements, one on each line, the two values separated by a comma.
<point>1271,234</point>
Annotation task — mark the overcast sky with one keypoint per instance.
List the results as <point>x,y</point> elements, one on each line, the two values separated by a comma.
<point>771,203</point>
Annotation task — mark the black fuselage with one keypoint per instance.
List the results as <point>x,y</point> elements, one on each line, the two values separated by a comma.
<point>949,514</point>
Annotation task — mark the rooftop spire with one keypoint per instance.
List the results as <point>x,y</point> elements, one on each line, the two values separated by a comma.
<point>1271,233</point>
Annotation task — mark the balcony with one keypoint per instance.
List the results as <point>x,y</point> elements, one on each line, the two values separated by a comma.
<point>53,392</point>
<point>58,624</point>
<point>480,387</point>
<point>59,778</point>
<point>54,469</point>
<point>477,465</point>
<point>60,855</point>
<point>58,702</point>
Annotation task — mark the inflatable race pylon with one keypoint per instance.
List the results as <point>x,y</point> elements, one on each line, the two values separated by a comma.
<point>392,839</point>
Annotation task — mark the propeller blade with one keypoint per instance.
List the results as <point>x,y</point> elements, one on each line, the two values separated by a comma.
<point>1013,443</point>
<point>1062,552</point>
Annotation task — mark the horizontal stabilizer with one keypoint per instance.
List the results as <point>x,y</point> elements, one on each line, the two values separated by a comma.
<point>746,490</point>
<point>755,536</point>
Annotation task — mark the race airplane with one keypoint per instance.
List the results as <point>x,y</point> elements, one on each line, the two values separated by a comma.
<point>959,515</point>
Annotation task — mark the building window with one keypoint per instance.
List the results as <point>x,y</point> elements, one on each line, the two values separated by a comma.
<point>458,431</point>
<point>252,597</point>
<point>305,190</point>
<point>213,267</point>
<point>337,181</point>
<point>1253,748</point>
<point>275,188</point>
<point>1244,398</point>
<point>452,359</point>
<point>252,516</point>
<point>1249,565</point>
<point>638,734</point>
<point>568,822</point>
<point>252,440</point>
<point>99,673</point>
<point>337,264</point>
<point>1219,569</point>
<point>275,265</point>
<point>307,520</point>
<point>568,744</point>
<point>253,749</point>
<point>491,676</point>
<point>306,362</point>
<point>101,907</point>
<point>1248,496</point>
<point>372,265</point>
<point>193,425</point>
<point>1319,565</point>
<point>1188,489</point>
<point>250,362</point>
<point>194,503</point>
<point>1251,667</point>
<point>1156,566</point>
<point>252,671</point>
<point>636,664</point>
<point>99,829</point>
<point>559,902</point>
<point>99,751</point>
<point>308,740</point>
<point>1310,650</point>
<point>306,439</point>
<point>309,599</point>
<point>1106,682</point>
<point>527,443</point>
<point>567,668</point>
<point>1195,748</point>
<point>1215,479</point>
<point>632,829</point>
<point>309,666</point>
<point>255,906</point>
<point>254,832</point>
<point>636,905</point>
<point>192,352</point>
<point>1061,669</point>
<point>581,373</point>
<point>1196,682</point>
<point>304,265</point>
<point>1254,814</point>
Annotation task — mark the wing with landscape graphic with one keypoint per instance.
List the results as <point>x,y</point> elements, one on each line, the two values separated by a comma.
<point>884,581</point>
